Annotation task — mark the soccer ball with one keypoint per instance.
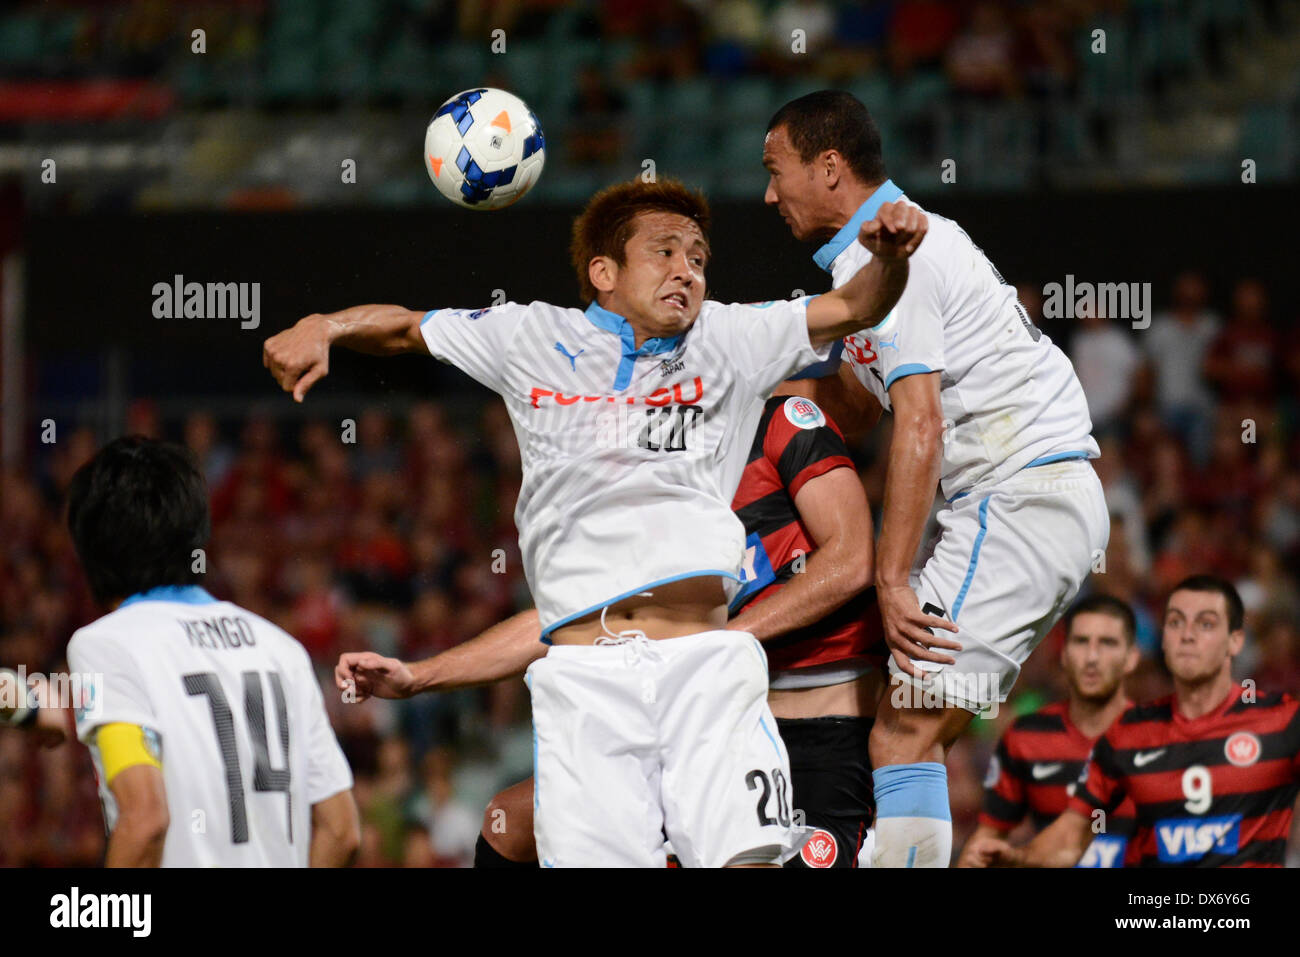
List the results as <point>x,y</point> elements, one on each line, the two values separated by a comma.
<point>484,148</point>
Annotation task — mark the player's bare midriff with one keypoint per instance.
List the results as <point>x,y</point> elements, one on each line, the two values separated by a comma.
<point>685,607</point>
<point>854,699</point>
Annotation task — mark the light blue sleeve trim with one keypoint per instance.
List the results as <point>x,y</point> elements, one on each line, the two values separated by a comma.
<point>974,557</point>
<point>429,315</point>
<point>905,370</point>
<point>883,322</point>
<point>546,632</point>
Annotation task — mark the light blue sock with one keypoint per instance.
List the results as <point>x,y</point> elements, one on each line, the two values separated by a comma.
<point>913,822</point>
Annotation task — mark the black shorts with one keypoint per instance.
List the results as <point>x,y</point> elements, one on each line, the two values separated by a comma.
<point>830,783</point>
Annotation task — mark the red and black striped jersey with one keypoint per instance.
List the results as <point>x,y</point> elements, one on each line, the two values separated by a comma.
<point>796,442</point>
<point>1214,791</point>
<point>1033,773</point>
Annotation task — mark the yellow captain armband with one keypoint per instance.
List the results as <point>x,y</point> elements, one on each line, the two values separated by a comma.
<point>122,746</point>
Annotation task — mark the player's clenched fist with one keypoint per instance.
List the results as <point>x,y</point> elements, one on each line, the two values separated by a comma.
<point>895,232</point>
<point>365,673</point>
<point>299,356</point>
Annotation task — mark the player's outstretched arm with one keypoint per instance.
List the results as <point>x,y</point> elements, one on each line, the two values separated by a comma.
<point>833,507</point>
<point>867,298</point>
<point>335,831</point>
<point>503,651</point>
<point>915,454</point>
<point>299,356</point>
<point>142,817</point>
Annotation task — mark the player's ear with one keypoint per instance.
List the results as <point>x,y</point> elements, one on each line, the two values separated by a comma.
<point>1236,641</point>
<point>1132,659</point>
<point>832,167</point>
<point>603,272</point>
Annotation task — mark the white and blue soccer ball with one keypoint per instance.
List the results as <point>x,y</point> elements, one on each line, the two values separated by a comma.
<point>484,148</point>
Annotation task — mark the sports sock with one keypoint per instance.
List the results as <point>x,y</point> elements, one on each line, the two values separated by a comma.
<point>913,823</point>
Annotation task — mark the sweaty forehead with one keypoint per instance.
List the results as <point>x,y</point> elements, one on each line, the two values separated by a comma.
<point>660,223</point>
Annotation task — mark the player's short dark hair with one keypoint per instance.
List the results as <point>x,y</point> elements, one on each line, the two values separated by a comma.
<point>137,511</point>
<point>1213,583</point>
<point>1098,604</point>
<point>834,120</point>
<point>604,227</point>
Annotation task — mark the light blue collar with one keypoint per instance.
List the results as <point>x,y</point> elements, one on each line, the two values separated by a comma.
<point>185,594</point>
<point>602,318</point>
<point>886,192</point>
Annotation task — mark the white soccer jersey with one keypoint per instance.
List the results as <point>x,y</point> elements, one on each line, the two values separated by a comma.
<point>233,705</point>
<point>1010,397</point>
<point>630,456</point>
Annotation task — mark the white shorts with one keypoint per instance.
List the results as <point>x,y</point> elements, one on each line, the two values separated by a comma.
<point>1008,561</point>
<point>642,739</point>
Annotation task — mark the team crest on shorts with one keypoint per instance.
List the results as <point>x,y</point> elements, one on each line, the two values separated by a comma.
<point>803,412</point>
<point>821,849</point>
<point>1242,749</point>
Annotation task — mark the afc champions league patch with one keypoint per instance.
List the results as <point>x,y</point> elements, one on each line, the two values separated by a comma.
<point>1242,749</point>
<point>803,413</point>
<point>821,849</point>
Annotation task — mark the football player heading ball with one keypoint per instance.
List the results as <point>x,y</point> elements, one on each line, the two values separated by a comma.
<point>631,548</point>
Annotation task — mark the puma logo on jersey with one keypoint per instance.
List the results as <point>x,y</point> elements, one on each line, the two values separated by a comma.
<point>890,343</point>
<point>571,356</point>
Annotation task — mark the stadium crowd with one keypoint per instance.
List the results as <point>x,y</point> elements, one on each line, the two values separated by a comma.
<point>1020,89</point>
<point>398,537</point>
